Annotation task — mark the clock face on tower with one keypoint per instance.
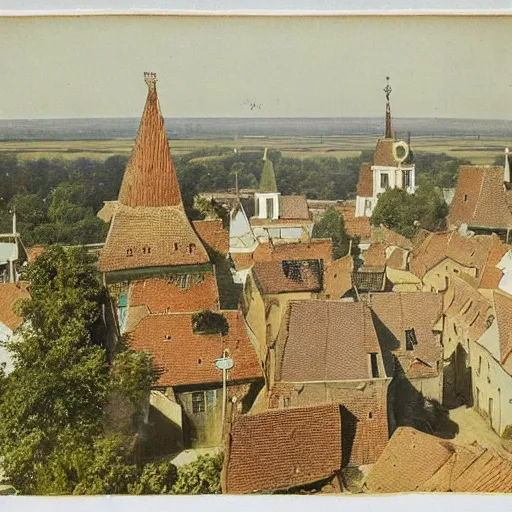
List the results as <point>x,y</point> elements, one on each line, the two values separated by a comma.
<point>400,151</point>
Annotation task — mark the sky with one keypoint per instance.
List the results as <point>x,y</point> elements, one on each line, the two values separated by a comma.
<point>58,67</point>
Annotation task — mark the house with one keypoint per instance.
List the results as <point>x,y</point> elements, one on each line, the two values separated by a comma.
<point>391,167</point>
<point>482,200</point>
<point>10,294</point>
<point>283,450</point>
<point>409,325</point>
<point>328,351</point>
<point>188,376</point>
<point>416,462</point>
<point>491,364</point>
<point>277,216</point>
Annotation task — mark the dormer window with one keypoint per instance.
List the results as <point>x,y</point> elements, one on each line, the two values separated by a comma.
<point>146,250</point>
<point>465,197</point>
<point>129,252</point>
<point>410,339</point>
<point>192,248</point>
<point>175,246</point>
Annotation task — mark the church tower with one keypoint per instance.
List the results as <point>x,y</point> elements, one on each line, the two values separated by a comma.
<point>391,167</point>
<point>267,197</point>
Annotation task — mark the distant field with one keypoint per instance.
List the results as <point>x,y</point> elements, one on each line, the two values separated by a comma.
<point>481,150</point>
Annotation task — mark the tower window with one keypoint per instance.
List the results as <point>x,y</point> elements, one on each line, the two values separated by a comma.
<point>374,365</point>
<point>384,181</point>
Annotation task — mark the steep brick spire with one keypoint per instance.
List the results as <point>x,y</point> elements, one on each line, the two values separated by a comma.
<point>150,177</point>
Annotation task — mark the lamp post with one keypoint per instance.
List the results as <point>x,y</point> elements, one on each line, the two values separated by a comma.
<point>225,363</point>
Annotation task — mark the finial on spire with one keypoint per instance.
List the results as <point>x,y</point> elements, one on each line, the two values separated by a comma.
<point>388,90</point>
<point>150,79</point>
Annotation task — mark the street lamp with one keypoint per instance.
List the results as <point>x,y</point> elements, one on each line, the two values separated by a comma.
<point>225,363</point>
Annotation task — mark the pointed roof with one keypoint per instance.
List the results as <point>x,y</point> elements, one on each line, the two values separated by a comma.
<point>268,178</point>
<point>150,177</point>
<point>387,90</point>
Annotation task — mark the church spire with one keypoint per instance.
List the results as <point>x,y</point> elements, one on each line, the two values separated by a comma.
<point>150,177</point>
<point>268,177</point>
<point>388,90</point>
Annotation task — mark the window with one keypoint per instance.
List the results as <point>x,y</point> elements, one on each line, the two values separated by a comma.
<point>465,197</point>
<point>407,178</point>
<point>191,248</point>
<point>370,415</point>
<point>257,208</point>
<point>198,402</point>
<point>367,204</point>
<point>270,208</point>
<point>129,252</point>
<point>146,250</point>
<point>410,339</point>
<point>374,365</point>
<point>286,402</point>
<point>175,246</point>
<point>211,398</point>
<point>384,181</point>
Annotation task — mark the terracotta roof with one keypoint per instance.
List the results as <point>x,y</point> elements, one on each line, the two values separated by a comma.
<point>398,312</point>
<point>398,259</point>
<point>408,461</point>
<point>288,276</point>
<point>491,276</point>
<point>384,153</point>
<point>34,252</point>
<point>107,211</point>
<point>186,293</point>
<point>293,207</point>
<point>165,232</point>
<point>189,358</point>
<point>355,226</point>
<point>317,248</point>
<point>375,256</point>
<point>279,449</point>
<point>418,462</point>
<point>10,294</point>
<point>213,235</point>
<point>242,260</point>
<point>365,183</point>
<point>342,334</point>
<point>150,178</point>
<point>388,237</point>
<point>338,278</point>
<point>480,198</point>
<point>256,221</point>
<point>503,308</point>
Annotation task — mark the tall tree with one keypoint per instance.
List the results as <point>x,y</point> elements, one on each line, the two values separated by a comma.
<point>332,226</point>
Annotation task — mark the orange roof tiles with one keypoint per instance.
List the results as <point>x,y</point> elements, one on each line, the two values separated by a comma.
<point>480,198</point>
<point>375,256</point>
<point>150,237</point>
<point>280,449</point>
<point>327,341</point>
<point>34,252</point>
<point>188,358</point>
<point>355,226</point>
<point>150,178</point>
<point>384,153</point>
<point>491,276</point>
<point>503,308</point>
<point>399,312</point>
<point>255,221</point>
<point>213,235</point>
<point>167,296</point>
<point>384,235</point>
<point>338,277</point>
<point>365,183</point>
<point>318,249</point>
<point>10,294</point>
<point>288,276</point>
<point>294,207</point>
<point>398,259</point>
<point>242,260</point>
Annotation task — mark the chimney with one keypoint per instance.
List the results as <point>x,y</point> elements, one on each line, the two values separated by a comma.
<point>506,174</point>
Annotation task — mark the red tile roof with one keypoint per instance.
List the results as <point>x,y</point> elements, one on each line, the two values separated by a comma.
<point>174,295</point>
<point>189,358</point>
<point>294,207</point>
<point>34,252</point>
<point>491,276</point>
<point>150,177</point>
<point>503,308</point>
<point>480,198</point>
<point>327,340</point>
<point>242,260</point>
<point>255,221</point>
<point>338,277</point>
<point>288,276</point>
<point>420,311</point>
<point>398,259</point>
<point>280,449</point>
<point>384,153</point>
<point>165,231</point>
<point>318,249</point>
<point>213,235</point>
<point>388,237</point>
<point>10,294</point>
<point>375,256</point>
<point>365,183</point>
<point>355,226</point>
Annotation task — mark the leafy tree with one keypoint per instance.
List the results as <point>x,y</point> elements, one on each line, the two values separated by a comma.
<point>332,226</point>
<point>155,478</point>
<point>201,476</point>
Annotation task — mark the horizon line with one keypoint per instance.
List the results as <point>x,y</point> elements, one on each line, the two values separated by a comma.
<point>253,12</point>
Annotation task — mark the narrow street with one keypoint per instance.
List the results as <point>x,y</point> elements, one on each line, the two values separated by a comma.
<point>473,428</point>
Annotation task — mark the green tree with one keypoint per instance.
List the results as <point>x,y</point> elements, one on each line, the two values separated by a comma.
<point>201,476</point>
<point>332,226</point>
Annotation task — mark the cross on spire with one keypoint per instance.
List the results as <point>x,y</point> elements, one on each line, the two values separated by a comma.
<point>388,90</point>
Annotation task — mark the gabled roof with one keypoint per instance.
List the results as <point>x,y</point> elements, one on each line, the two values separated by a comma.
<point>491,276</point>
<point>388,237</point>
<point>293,207</point>
<point>317,249</point>
<point>150,177</point>
<point>503,309</point>
<point>178,294</point>
<point>375,256</point>
<point>280,449</point>
<point>365,183</point>
<point>10,294</point>
<point>480,198</point>
<point>288,276</point>
<point>166,231</point>
<point>213,235</point>
<point>327,340</point>
<point>355,226</point>
<point>188,358</point>
<point>338,277</point>
<point>395,313</point>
